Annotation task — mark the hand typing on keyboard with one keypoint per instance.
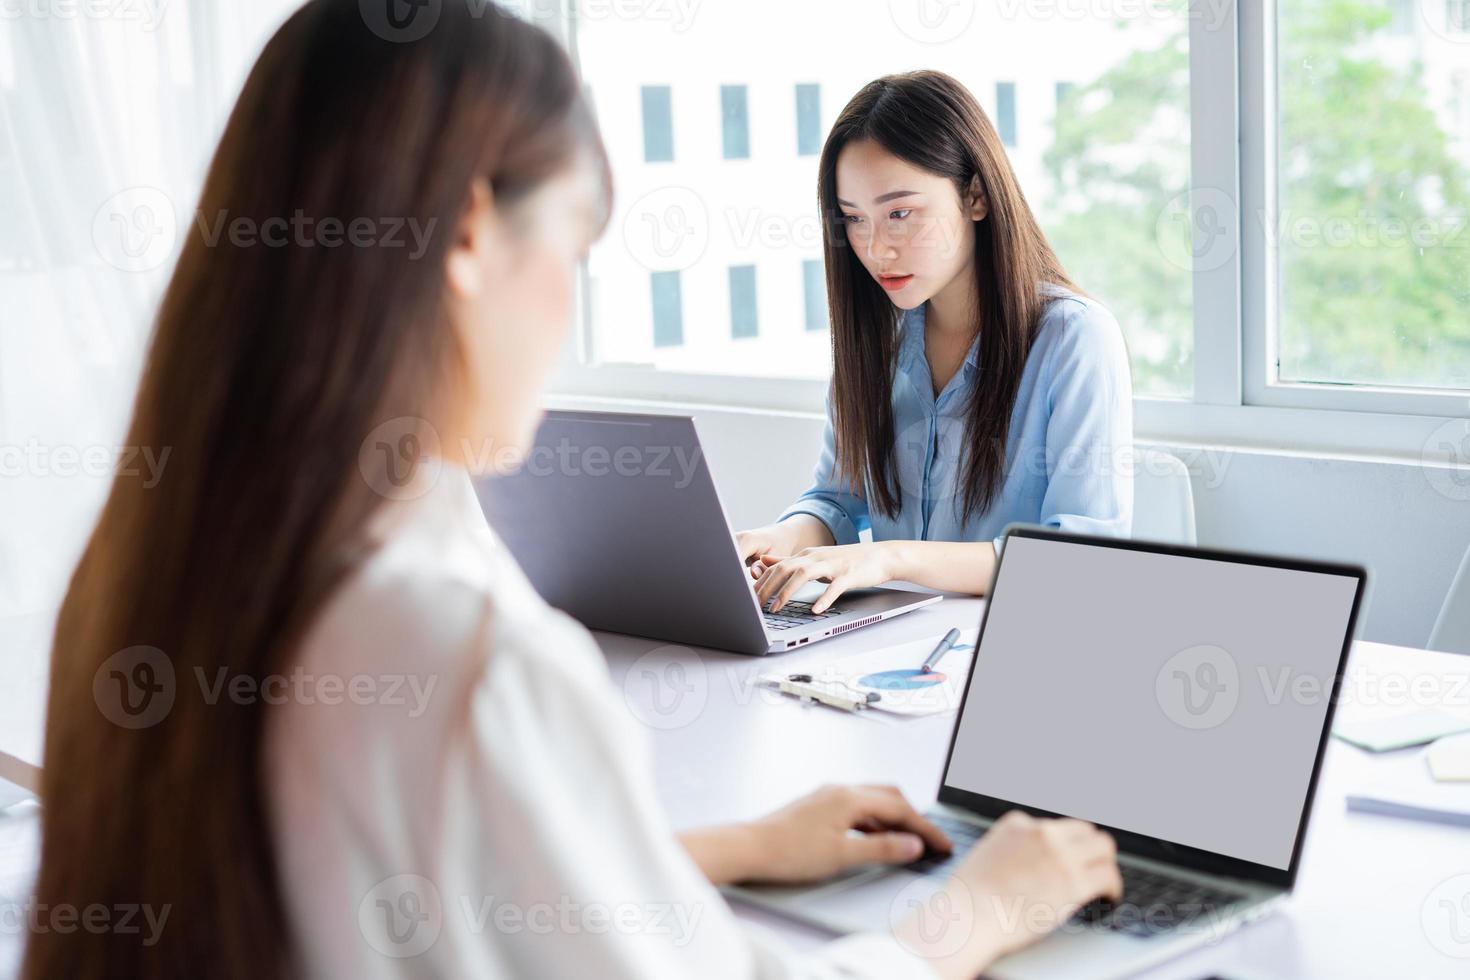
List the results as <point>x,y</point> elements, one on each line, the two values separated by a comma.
<point>1023,878</point>
<point>1154,902</point>
<point>797,614</point>
<point>843,567</point>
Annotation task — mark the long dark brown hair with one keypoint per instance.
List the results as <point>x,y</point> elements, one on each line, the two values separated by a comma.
<point>933,122</point>
<point>268,366</point>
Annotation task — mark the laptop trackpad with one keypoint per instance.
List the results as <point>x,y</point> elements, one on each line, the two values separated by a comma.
<point>880,901</point>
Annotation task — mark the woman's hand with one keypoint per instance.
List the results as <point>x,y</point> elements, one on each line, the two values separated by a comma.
<point>787,537</point>
<point>812,838</point>
<point>844,566</point>
<point>1024,878</point>
<point>773,538</point>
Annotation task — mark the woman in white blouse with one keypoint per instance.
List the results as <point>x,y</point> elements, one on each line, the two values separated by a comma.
<point>305,709</point>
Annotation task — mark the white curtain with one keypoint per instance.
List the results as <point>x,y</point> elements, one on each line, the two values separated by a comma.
<point>109,113</point>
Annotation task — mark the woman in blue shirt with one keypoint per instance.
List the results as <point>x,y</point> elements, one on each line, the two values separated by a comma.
<point>973,384</point>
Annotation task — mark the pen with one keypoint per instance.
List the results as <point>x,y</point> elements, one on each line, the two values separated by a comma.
<point>940,651</point>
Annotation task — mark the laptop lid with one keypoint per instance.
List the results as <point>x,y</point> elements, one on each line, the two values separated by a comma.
<point>1180,698</point>
<point>615,519</point>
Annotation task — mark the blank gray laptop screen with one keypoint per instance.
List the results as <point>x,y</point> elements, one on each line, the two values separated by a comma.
<point>1178,697</point>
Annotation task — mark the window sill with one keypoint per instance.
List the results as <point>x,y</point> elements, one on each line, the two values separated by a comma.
<point>1327,433</point>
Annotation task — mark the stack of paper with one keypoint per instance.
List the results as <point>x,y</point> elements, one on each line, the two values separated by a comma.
<point>1406,787</point>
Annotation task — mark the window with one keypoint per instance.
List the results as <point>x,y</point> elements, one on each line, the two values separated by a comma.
<point>668,309</point>
<point>734,122</point>
<point>742,301</point>
<point>1405,14</point>
<point>809,135</point>
<point>1005,112</point>
<point>1372,249</point>
<point>1097,187</point>
<point>1457,16</point>
<point>814,286</point>
<point>658,124</point>
<point>1271,198</point>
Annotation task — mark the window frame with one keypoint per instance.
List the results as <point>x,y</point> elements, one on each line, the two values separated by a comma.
<point>1236,400</point>
<point>1261,266</point>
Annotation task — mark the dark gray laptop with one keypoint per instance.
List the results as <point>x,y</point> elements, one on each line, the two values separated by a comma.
<point>615,519</point>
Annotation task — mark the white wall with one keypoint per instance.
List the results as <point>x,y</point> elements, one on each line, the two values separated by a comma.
<point>1384,514</point>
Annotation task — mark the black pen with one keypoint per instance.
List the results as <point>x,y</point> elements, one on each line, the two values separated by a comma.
<point>940,651</point>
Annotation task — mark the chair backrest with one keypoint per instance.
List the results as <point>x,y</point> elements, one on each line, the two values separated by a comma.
<point>1451,631</point>
<point>1163,500</point>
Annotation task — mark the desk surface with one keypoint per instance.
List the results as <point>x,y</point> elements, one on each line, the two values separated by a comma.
<point>1374,895</point>
<point>1371,893</point>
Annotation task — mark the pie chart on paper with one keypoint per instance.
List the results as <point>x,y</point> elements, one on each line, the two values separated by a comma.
<point>901,680</point>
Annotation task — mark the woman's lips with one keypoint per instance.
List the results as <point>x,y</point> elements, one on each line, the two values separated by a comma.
<point>894,283</point>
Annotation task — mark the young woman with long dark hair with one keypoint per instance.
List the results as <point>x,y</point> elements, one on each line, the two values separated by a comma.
<point>347,721</point>
<point>974,385</point>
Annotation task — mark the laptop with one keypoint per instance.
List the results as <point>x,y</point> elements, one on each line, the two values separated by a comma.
<point>615,519</point>
<point>1179,698</point>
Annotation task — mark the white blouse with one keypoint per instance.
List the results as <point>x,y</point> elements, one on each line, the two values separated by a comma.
<point>455,790</point>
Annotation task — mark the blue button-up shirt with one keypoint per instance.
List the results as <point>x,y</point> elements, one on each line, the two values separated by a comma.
<point>1069,453</point>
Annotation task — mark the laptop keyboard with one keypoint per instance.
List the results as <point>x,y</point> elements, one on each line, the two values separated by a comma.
<point>796,614</point>
<point>1153,902</point>
<point>961,833</point>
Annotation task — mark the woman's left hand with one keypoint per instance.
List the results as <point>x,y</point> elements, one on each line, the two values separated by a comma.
<point>811,838</point>
<point>844,566</point>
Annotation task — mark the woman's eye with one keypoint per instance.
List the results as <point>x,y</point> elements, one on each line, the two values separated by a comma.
<point>901,213</point>
<point>852,219</point>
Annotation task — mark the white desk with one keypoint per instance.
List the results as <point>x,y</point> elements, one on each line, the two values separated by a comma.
<point>726,752</point>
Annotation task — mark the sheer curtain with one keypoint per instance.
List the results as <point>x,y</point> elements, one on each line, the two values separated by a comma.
<point>108,115</point>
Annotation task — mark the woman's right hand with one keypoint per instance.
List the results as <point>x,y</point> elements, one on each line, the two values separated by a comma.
<point>773,539</point>
<point>1024,878</point>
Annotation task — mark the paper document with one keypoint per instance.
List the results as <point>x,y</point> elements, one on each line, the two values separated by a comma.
<point>891,673</point>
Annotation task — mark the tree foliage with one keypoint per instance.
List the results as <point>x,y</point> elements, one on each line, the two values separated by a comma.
<point>1371,224</point>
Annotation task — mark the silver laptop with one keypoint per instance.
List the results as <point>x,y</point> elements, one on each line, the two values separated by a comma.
<point>615,519</point>
<point>1180,698</point>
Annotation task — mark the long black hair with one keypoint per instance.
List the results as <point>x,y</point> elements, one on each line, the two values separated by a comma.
<point>933,122</point>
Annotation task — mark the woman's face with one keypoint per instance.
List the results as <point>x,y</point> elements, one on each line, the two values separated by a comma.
<point>907,226</point>
<point>512,284</point>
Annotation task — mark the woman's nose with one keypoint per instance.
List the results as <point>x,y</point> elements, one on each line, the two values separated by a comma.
<point>881,247</point>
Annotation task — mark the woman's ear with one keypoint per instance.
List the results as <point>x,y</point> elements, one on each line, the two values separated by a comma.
<point>975,200</point>
<point>470,253</point>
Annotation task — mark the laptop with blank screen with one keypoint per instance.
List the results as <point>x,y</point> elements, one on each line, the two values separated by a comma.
<point>1179,698</point>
